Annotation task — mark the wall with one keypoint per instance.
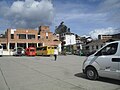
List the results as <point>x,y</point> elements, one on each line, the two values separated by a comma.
<point>70,40</point>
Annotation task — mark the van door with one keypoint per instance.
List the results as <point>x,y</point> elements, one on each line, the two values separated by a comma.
<point>119,69</point>
<point>107,61</point>
<point>117,59</point>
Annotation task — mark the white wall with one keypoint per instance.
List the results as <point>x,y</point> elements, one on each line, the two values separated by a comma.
<point>70,40</point>
<point>59,47</point>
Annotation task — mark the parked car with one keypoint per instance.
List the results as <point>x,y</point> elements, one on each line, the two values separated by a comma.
<point>104,63</point>
<point>19,51</point>
<point>31,51</point>
<point>1,50</point>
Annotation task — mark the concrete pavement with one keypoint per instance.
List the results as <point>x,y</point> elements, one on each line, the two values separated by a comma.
<point>43,73</point>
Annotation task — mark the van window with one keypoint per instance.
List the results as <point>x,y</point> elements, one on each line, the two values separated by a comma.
<point>110,49</point>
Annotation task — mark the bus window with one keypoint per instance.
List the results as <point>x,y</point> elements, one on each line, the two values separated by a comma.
<point>39,48</point>
<point>44,48</point>
<point>48,47</point>
<point>32,50</point>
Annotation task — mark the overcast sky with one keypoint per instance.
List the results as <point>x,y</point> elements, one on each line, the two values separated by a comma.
<point>84,17</point>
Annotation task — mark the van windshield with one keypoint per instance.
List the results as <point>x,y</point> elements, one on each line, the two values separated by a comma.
<point>0,47</point>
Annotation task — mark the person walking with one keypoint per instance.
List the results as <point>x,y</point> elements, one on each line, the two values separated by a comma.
<point>55,53</point>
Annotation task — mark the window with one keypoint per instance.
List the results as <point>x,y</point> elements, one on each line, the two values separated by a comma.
<point>55,40</point>
<point>0,47</point>
<point>39,48</point>
<point>48,47</point>
<point>22,36</point>
<point>97,47</point>
<point>31,36</point>
<point>32,50</point>
<point>110,49</point>
<point>12,36</point>
<point>46,37</point>
<point>44,48</point>
<point>40,44</point>
<point>12,45</point>
<point>38,37</point>
<point>4,46</point>
<point>14,50</point>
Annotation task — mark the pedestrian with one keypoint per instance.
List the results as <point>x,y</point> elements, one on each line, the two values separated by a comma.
<point>55,53</point>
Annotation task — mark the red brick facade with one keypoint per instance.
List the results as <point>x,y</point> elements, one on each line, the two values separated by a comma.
<point>27,37</point>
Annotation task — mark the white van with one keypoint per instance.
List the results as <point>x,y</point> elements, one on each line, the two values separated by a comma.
<point>19,51</point>
<point>1,50</point>
<point>104,63</point>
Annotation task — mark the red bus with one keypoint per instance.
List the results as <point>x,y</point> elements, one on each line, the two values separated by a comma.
<point>31,51</point>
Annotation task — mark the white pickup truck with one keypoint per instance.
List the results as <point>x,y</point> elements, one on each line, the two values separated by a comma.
<point>104,63</point>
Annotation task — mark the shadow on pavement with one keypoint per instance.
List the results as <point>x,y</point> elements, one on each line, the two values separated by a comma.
<point>101,79</point>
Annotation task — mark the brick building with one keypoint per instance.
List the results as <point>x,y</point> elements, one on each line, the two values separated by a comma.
<point>30,37</point>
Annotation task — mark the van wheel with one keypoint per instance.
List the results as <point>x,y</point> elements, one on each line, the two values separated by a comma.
<point>91,73</point>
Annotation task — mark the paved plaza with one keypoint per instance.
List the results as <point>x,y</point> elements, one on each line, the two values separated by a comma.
<point>43,73</point>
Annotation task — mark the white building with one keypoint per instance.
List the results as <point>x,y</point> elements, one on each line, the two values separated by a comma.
<point>68,38</point>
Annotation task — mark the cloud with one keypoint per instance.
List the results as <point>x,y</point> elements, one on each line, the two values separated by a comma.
<point>28,13</point>
<point>104,31</point>
<point>112,8</point>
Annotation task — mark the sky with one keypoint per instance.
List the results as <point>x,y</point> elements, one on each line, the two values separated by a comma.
<point>83,17</point>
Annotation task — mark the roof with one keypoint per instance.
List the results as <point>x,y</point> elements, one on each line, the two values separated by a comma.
<point>101,41</point>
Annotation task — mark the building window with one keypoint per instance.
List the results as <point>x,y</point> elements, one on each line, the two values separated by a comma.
<point>30,36</point>
<point>12,36</point>
<point>12,45</point>
<point>38,37</point>
<point>40,44</point>
<point>46,37</point>
<point>22,36</point>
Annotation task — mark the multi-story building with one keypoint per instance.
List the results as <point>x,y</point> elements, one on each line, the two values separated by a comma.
<point>93,46</point>
<point>105,37</point>
<point>68,38</point>
<point>68,41</point>
<point>116,36</point>
<point>30,37</point>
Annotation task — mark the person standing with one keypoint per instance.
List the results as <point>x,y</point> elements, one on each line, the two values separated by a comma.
<point>55,53</point>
